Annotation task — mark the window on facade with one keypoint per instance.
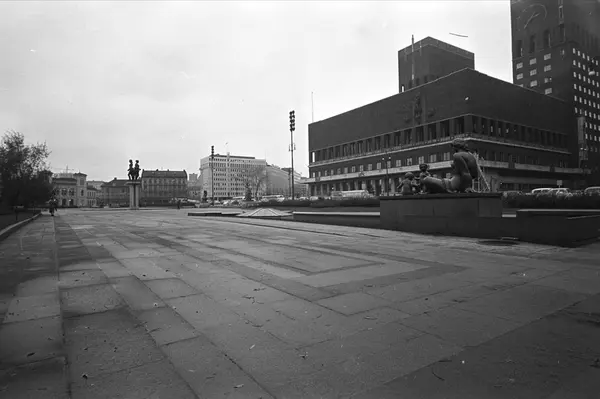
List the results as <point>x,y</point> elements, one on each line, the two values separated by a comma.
<point>561,16</point>
<point>370,166</point>
<point>409,161</point>
<point>398,163</point>
<point>533,61</point>
<point>518,49</point>
<point>432,157</point>
<point>533,83</point>
<point>548,79</point>
<point>421,159</point>
<point>546,38</point>
<point>531,44</point>
<point>378,165</point>
<point>519,76</point>
<point>519,65</point>
<point>547,68</point>
<point>446,156</point>
<point>361,168</point>
<point>547,56</point>
<point>345,169</point>
<point>533,72</point>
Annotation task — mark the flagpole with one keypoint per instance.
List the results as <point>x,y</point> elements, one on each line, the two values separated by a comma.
<point>312,101</point>
<point>413,58</point>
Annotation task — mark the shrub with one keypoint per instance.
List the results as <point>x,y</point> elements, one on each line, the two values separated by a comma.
<point>545,201</point>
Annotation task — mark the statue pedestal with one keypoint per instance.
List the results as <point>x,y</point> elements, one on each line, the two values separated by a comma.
<point>134,194</point>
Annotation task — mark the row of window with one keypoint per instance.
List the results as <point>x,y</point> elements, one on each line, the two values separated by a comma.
<point>432,158</point>
<point>533,61</point>
<point>585,56</point>
<point>533,72</point>
<point>420,134</point>
<point>164,181</point>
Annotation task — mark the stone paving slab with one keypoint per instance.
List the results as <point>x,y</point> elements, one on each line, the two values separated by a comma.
<point>152,380</point>
<point>37,380</point>
<point>448,318</point>
<point>353,303</point>
<point>30,341</point>
<point>210,373</point>
<point>89,299</point>
<point>33,307</point>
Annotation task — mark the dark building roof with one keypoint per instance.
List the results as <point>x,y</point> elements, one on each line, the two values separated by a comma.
<point>91,188</point>
<point>115,183</point>
<point>430,41</point>
<point>164,173</point>
<point>65,180</point>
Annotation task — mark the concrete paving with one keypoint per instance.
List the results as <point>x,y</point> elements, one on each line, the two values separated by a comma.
<point>136,304</point>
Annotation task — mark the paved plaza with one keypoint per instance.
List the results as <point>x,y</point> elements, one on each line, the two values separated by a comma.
<point>156,304</point>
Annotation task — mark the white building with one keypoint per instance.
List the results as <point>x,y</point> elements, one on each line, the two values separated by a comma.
<point>230,175</point>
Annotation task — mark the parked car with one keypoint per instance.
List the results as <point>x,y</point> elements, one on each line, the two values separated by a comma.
<point>545,190</point>
<point>592,190</point>
<point>561,192</point>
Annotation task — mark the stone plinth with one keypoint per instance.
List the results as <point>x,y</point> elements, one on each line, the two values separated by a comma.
<point>456,207</point>
<point>134,194</point>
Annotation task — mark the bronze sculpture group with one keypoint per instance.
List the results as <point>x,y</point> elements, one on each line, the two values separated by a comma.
<point>133,173</point>
<point>464,171</point>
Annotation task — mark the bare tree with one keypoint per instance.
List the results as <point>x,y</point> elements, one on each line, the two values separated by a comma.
<point>253,177</point>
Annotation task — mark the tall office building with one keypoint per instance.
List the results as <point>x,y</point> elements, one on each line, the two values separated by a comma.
<point>231,173</point>
<point>555,47</point>
<point>430,59</point>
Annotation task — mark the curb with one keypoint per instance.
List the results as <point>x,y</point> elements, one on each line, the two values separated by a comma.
<point>14,227</point>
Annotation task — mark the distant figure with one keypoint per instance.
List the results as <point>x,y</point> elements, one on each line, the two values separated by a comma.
<point>406,186</point>
<point>178,204</point>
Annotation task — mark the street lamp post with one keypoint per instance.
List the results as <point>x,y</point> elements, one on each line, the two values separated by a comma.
<point>387,176</point>
<point>292,148</point>
<point>212,174</point>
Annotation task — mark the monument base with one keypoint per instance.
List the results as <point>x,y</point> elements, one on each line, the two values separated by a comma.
<point>134,194</point>
<point>400,211</point>
<point>479,215</point>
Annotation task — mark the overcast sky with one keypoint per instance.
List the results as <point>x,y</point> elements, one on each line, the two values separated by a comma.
<point>103,82</point>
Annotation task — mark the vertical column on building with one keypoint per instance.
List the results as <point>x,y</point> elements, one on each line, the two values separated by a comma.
<point>468,124</point>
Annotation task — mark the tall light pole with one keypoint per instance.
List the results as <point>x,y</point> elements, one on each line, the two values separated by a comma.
<point>387,176</point>
<point>292,148</point>
<point>212,174</point>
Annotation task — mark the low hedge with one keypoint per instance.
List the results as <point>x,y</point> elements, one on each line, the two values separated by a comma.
<point>545,201</point>
<point>327,203</point>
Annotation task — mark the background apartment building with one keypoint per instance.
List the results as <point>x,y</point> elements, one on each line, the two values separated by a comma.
<point>159,187</point>
<point>230,173</point>
<point>70,189</point>
<point>115,193</point>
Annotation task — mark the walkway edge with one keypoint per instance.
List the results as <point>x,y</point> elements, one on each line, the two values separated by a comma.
<point>14,227</point>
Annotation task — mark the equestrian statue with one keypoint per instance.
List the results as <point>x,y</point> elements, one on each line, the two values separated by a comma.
<point>133,173</point>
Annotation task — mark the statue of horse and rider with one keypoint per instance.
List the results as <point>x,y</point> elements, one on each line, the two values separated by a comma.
<point>134,171</point>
